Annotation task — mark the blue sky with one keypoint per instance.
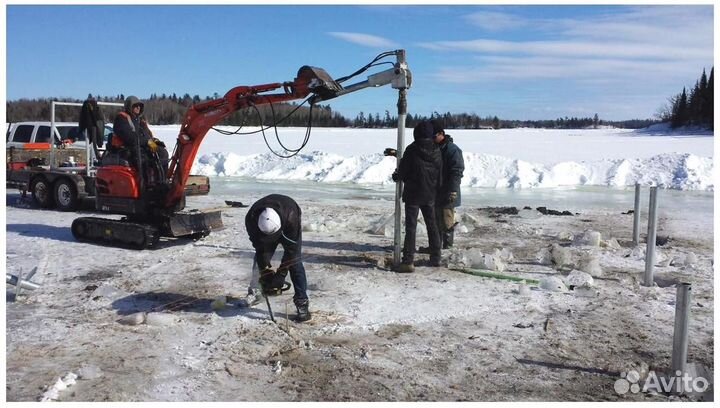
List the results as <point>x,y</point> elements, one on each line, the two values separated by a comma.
<point>516,62</point>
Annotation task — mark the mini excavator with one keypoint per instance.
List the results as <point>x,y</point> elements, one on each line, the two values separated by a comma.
<point>156,208</point>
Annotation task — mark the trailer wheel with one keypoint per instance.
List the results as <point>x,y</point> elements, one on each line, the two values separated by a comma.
<point>42,192</point>
<point>66,196</point>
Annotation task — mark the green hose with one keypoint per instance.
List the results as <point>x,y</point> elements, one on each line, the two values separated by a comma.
<point>488,274</point>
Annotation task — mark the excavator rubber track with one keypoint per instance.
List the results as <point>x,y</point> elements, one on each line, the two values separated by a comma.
<point>118,233</point>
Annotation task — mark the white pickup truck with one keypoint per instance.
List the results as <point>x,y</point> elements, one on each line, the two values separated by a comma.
<point>21,134</point>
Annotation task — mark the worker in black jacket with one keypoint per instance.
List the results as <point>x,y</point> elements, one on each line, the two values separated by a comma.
<point>448,197</point>
<point>272,220</point>
<point>130,129</point>
<point>421,171</point>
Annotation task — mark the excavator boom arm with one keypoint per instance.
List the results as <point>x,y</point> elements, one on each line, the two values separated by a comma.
<point>310,80</point>
<point>200,118</point>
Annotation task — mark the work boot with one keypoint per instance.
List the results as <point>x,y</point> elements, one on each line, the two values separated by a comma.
<point>303,310</point>
<point>435,261</point>
<point>448,238</point>
<point>405,268</point>
<point>254,297</point>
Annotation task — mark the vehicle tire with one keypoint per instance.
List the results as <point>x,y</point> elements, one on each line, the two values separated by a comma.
<point>66,196</point>
<point>42,193</point>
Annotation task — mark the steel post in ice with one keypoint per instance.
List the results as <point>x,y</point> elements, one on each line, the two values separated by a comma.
<point>402,113</point>
<point>651,237</point>
<point>636,216</point>
<point>680,336</point>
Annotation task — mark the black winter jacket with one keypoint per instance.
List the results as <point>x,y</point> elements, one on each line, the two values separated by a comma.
<point>453,168</point>
<point>289,234</point>
<point>128,133</point>
<point>421,171</point>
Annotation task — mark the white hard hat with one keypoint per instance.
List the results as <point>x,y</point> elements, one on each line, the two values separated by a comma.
<point>269,221</point>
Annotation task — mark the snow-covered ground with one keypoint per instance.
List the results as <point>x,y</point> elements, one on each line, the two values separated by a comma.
<point>437,335</point>
<point>514,158</point>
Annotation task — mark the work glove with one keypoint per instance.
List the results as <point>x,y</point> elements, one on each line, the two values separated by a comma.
<point>452,197</point>
<point>395,177</point>
<point>152,145</point>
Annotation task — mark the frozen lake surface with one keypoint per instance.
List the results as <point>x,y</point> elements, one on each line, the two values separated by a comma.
<point>686,205</point>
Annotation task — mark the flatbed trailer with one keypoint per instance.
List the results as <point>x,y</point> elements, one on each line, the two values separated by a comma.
<point>61,178</point>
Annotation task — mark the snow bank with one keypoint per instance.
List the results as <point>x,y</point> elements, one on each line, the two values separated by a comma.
<point>669,170</point>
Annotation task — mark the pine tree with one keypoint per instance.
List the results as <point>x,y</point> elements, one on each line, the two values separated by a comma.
<point>707,113</point>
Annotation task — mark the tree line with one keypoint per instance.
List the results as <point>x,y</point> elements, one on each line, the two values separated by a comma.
<point>691,109</point>
<point>167,109</point>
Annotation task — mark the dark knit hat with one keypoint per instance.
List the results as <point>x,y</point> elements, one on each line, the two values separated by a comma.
<point>437,126</point>
<point>423,130</point>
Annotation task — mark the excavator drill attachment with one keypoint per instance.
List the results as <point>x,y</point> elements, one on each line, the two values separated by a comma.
<point>318,81</point>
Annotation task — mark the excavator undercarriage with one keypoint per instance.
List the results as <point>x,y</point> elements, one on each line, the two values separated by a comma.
<point>141,234</point>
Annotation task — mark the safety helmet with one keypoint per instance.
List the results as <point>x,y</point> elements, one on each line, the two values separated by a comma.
<point>269,221</point>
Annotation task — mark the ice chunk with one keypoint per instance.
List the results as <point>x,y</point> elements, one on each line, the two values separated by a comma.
<point>611,243</point>
<point>505,255</point>
<point>561,256</point>
<point>588,237</point>
<point>638,252</point>
<point>69,378</point>
<point>457,258</point>
<point>469,220</point>
<point>383,226</point>
<point>590,263</point>
<point>553,284</point>
<point>578,279</point>
<point>60,385</point>
<point>133,319</point>
<point>493,263</point>
<point>543,257</point>
<point>565,236</point>
<point>688,259</point>
<point>474,258</point>
<point>89,372</point>
<point>50,395</point>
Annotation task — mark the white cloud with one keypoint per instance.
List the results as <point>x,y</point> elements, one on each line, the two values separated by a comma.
<point>673,26</point>
<point>366,40</point>
<point>606,70</point>
<point>573,48</point>
<point>644,44</point>
<point>496,21</point>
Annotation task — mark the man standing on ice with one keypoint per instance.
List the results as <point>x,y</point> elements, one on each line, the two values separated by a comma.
<point>420,169</point>
<point>448,197</point>
<point>273,220</point>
